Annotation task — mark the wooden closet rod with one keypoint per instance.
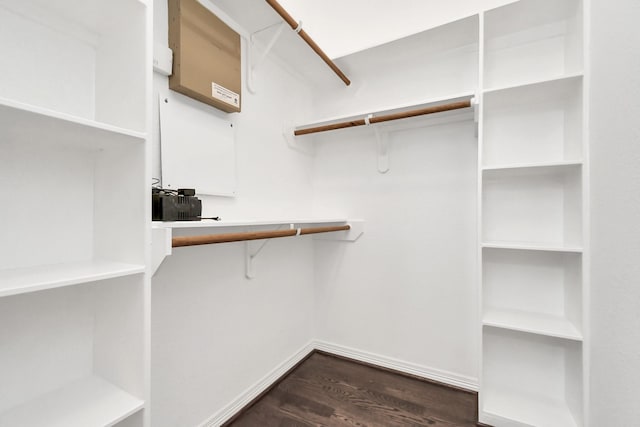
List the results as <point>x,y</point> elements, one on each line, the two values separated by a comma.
<point>386,118</point>
<point>294,26</point>
<point>177,242</point>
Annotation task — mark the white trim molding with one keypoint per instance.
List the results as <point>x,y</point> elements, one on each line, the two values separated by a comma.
<point>256,389</point>
<point>432,374</point>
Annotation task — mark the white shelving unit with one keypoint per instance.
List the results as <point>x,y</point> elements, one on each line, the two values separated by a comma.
<point>73,147</point>
<point>532,192</point>
<point>89,401</point>
<point>529,41</point>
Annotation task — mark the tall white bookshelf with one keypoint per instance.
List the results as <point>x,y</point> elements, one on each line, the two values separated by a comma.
<point>73,154</point>
<point>532,185</point>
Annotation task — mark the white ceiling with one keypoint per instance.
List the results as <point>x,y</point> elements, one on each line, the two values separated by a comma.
<point>342,27</point>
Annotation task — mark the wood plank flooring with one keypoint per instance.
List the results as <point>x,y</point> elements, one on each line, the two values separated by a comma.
<point>326,390</point>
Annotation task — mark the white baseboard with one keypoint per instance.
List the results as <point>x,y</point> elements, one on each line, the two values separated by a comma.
<point>445,377</point>
<point>254,391</point>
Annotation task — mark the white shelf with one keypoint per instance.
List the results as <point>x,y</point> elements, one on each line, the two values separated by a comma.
<point>510,409</point>
<point>24,280</point>
<point>542,81</point>
<point>530,246</point>
<point>541,165</point>
<point>90,402</point>
<point>533,291</point>
<point>26,124</point>
<point>243,223</point>
<point>536,323</point>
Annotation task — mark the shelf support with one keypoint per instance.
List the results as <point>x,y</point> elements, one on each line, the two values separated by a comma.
<point>252,63</point>
<point>249,254</point>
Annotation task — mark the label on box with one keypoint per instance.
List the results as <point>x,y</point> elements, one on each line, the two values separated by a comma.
<point>225,95</point>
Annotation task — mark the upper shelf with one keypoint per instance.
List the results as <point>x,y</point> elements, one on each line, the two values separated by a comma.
<point>531,40</point>
<point>27,124</point>
<point>82,58</point>
<point>243,223</point>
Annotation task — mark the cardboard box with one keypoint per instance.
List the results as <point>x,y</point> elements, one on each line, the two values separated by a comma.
<point>206,56</point>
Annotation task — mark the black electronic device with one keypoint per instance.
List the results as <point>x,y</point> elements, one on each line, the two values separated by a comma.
<point>172,205</point>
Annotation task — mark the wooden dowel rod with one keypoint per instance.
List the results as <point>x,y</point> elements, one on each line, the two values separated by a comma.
<point>208,239</point>
<point>422,111</point>
<point>303,34</point>
<point>386,118</point>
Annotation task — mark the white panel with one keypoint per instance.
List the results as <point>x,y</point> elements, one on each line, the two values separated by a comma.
<point>615,210</point>
<point>45,67</point>
<point>121,70</point>
<point>84,58</point>
<point>198,148</point>
<point>119,333</point>
<point>536,123</point>
<point>532,40</point>
<point>528,378</point>
<point>414,266</point>
<point>120,216</point>
<point>540,206</point>
<point>52,221</point>
<point>532,281</point>
<point>46,341</point>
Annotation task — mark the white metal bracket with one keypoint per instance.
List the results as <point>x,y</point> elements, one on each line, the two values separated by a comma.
<point>254,63</point>
<point>251,250</point>
<point>382,141</point>
<point>296,144</point>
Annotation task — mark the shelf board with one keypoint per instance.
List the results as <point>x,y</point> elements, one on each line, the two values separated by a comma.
<point>566,77</point>
<point>391,110</point>
<point>31,279</point>
<point>541,165</point>
<point>529,246</point>
<point>243,223</point>
<point>535,323</point>
<point>89,402</point>
<point>26,124</point>
<point>507,408</point>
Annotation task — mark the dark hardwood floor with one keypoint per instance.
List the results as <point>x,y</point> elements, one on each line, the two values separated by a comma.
<point>325,390</point>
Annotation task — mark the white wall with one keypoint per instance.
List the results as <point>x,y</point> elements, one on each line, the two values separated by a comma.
<point>406,290</point>
<point>344,27</point>
<point>615,206</point>
<point>215,333</point>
